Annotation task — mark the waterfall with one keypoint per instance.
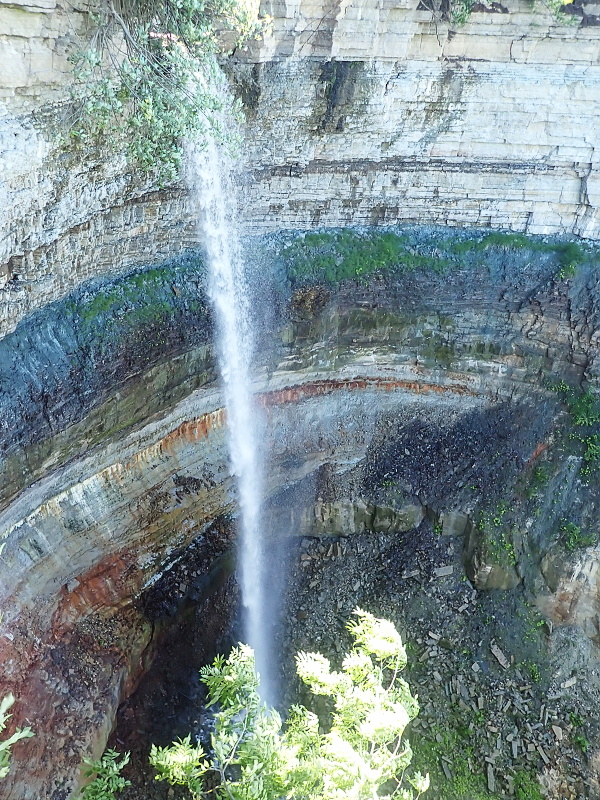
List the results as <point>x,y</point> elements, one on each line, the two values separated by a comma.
<point>229,294</point>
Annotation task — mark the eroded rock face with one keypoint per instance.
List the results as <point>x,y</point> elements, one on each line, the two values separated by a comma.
<point>385,402</point>
<point>354,116</point>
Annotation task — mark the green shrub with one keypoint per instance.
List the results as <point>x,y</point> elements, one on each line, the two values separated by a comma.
<point>181,764</point>
<point>107,779</point>
<point>584,410</point>
<point>574,538</point>
<point>147,76</point>
<point>255,758</point>
<point>527,787</point>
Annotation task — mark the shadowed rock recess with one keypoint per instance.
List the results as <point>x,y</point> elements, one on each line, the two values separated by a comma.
<point>420,206</point>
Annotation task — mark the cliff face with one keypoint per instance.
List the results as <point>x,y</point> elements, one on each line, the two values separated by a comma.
<point>356,115</point>
<point>369,114</point>
<point>434,387</point>
<point>111,427</point>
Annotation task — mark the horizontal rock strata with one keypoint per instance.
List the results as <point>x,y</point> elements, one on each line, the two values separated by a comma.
<point>457,365</point>
<point>354,116</point>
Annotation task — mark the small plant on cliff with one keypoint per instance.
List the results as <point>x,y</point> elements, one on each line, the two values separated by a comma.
<point>107,779</point>
<point>526,786</point>
<point>454,11</point>
<point>584,410</point>
<point>254,757</point>
<point>146,75</point>
<point>181,764</point>
<point>20,733</point>
<point>573,537</point>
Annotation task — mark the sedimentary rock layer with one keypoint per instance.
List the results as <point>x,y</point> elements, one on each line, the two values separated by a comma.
<point>355,115</point>
<point>142,468</point>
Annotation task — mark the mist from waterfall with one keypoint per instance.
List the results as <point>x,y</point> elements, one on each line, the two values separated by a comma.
<point>211,178</point>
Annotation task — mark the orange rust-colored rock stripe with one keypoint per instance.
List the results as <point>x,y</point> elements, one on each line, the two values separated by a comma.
<point>195,429</point>
<point>201,427</point>
<point>292,394</point>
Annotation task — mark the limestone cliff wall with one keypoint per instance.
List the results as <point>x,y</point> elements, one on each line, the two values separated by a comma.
<point>372,112</point>
<point>67,215</point>
<point>416,119</point>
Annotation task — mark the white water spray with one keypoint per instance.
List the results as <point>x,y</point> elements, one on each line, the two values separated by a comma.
<point>229,293</point>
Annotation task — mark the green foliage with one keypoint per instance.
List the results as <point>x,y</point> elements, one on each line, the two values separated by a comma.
<point>348,255</point>
<point>569,254</point>
<point>456,11</point>
<point>452,745</point>
<point>584,410</point>
<point>497,540</point>
<point>538,481</point>
<point>575,719</point>
<point>147,78</point>
<point>181,764</point>
<point>527,787</point>
<point>108,779</point>
<point>363,753</point>
<point>460,11</point>
<point>147,304</point>
<point>6,744</point>
<point>573,538</point>
<point>335,255</point>
<point>532,622</point>
<point>531,669</point>
<point>557,9</point>
<point>581,741</point>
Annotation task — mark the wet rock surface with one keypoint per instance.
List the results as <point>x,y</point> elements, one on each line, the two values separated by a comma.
<point>169,702</point>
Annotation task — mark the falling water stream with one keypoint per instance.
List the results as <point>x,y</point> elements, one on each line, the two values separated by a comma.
<point>230,297</point>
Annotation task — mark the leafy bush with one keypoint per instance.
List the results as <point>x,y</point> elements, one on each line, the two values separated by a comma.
<point>20,733</point>
<point>108,779</point>
<point>364,751</point>
<point>147,75</point>
<point>574,538</point>
<point>584,410</point>
<point>181,764</point>
<point>527,787</point>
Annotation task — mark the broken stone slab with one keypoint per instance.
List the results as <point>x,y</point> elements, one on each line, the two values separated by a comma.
<point>345,517</point>
<point>442,572</point>
<point>541,751</point>
<point>558,732</point>
<point>454,523</point>
<point>499,656</point>
<point>412,574</point>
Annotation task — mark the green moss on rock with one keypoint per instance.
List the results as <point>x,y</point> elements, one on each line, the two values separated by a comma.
<point>331,256</point>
